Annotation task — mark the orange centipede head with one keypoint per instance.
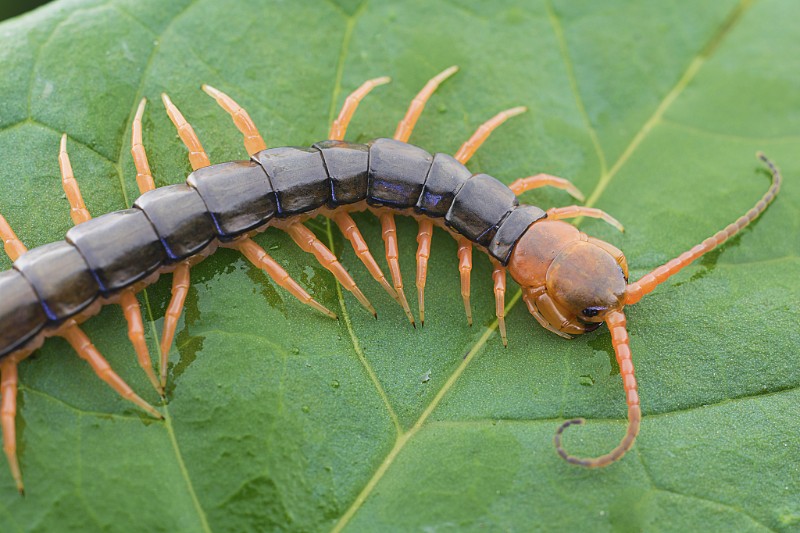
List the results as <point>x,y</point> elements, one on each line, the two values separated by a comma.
<point>571,282</point>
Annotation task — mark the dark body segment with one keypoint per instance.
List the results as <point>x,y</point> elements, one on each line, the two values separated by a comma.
<point>511,229</point>
<point>445,178</point>
<point>21,314</point>
<point>479,207</point>
<point>298,177</point>
<point>397,173</point>
<point>121,248</point>
<point>348,170</point>
<point>238,196</point>
<point>61,279</point>
<point>180,218</point>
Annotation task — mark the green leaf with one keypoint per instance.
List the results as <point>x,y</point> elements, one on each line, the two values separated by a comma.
<point>280,419</point>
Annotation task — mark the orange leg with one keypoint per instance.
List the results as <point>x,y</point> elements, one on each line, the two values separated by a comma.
<point>560,213</point>
<point>261,259</point>
<point>349,229</point>
<point>406,126</point>
<point>128,301</point>
<point>198,159</point>
<point>144,178</point>
<point>465,267</point>
<point>252,139</point>
<point>542,180</point>
<point>499,277</point>
<point>389,232</point>
<point>133,315</point>
<point>11,243</point>
<point>423,254</point>
<point>8,413</point>
<point>78,210</point>
<point>87,351</point>
<point>649,282</point>
<point>622,349</point>
<point>469,148</point>
<point>306,240</point>
<point>197,155</point>
<point>180,288</point>
<point>339,126</point>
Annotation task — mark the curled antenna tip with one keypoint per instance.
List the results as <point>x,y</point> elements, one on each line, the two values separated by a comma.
<point>517,110</point>
<point>383,80</point>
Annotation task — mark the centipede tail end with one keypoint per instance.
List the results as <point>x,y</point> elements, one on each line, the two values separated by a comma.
<point>619,338</point>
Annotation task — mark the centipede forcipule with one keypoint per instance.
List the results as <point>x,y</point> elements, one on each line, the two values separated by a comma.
<point>571,283</point>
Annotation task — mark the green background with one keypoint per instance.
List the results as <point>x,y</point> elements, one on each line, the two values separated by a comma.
<point>280,419</point>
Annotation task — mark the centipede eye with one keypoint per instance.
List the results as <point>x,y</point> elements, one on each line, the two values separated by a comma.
<point>592,311</point>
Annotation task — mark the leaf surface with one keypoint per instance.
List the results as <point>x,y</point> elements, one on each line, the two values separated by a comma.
<point>280,419</point>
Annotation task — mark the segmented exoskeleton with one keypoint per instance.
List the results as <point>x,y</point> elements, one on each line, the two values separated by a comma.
<point>571,283</point>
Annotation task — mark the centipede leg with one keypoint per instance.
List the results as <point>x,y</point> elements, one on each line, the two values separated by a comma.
<point>11,243</point>
<point>499,277</point>
<point>561,213</point>
<point>78,210</point>
<point>144,177</point>
<point>406,126</point>
<point>306,240</point>
<point>389,233</point>
<point>339,126</point>
<point>197,155</point>
<point>133,315</point>
<point>472,144</point>
<point>350,231</point>
<point>128,301</point>
<point>88,352</point>
<point>542,180</point>
<point>253,142</point>
<point>465,268</point>
<point>198,159</point>
<point>423,254</point>
<point>8,413</point>
<point>261,259</point>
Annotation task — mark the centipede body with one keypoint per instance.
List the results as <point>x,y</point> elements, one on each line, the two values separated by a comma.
<point>571,282</point>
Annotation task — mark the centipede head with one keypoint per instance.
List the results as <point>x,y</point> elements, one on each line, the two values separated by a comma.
<point>570,282</point>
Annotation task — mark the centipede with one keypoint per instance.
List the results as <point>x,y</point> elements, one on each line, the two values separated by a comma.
<point>571,283</point>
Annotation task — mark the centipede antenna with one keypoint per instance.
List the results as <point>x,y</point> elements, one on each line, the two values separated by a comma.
<point>620,341</point>
<point>647,283</point>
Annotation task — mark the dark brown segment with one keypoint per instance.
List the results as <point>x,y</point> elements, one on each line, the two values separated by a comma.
<point>397,172</point>
<point>61,279</point>
<point>180,218</point>
<point>511,229</point>
<point>238,195</point>
<point>479,207</point>
<point>298,176</point>
<point>444,180</point>
<point>121,248</point>
<point>348,169</point>
<point>21,313</point>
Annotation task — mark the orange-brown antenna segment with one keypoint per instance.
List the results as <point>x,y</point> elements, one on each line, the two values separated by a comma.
<point>649,282</point>
<point>620,341</point>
